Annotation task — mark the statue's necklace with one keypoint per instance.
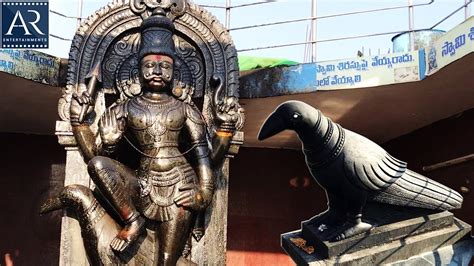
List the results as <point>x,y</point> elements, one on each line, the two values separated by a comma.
<point>155,104</point>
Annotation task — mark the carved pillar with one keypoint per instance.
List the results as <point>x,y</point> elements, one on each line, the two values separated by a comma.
<point>71,250</point>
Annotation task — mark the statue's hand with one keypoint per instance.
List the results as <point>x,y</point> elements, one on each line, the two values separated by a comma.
<point>190,196</point>
<point>109,128</point>
<point>230,113</point>
<point>78,102</point>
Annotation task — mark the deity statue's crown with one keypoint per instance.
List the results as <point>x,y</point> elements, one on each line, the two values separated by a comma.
<point>157,35</point>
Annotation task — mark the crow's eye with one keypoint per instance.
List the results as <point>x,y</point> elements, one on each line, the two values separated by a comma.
<point>296,116</point>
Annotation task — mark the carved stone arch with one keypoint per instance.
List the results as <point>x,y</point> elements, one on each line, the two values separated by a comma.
<point>94,36</point>
<point>195,28</point>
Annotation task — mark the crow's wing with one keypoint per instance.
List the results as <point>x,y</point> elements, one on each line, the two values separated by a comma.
<point>369,166</point>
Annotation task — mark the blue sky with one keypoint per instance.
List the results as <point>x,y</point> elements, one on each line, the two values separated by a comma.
<point>379,22</point>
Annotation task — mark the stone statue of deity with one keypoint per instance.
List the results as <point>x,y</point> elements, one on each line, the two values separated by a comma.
<point>147,212</point>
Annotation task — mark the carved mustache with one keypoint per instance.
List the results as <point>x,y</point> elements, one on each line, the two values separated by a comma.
<point>154,77</point>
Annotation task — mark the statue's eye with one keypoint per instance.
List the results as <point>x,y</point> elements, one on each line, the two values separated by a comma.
<point>149,65</point>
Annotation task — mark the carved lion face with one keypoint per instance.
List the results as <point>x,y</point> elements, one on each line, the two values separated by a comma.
<point>156,72</point>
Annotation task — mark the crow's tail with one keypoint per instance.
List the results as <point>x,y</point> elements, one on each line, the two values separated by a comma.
<point>415,190</point>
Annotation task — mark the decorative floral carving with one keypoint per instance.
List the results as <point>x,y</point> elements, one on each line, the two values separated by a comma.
<point>176,7</point>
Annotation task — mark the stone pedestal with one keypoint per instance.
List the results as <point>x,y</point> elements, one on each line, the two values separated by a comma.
<point>400,233</point>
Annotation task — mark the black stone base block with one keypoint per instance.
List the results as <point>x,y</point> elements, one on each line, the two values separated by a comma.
<point>400,233</point>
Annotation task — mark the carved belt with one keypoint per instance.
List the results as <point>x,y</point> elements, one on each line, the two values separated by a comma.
<point>163,179</point>
<point>171,177</point>
<point>158,190</point>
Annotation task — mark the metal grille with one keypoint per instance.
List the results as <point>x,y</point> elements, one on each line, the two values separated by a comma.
<point>311,38</point>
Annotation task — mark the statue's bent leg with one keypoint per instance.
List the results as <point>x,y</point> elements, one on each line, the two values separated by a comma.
<point>173,235</point>
<point>116,182</point>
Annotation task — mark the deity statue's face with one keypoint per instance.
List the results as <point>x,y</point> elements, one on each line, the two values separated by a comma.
<point>156,72</point>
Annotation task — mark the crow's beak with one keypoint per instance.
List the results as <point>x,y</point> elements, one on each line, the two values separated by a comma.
<point>273,125</point>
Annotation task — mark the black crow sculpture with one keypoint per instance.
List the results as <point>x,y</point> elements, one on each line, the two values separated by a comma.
<point>353,170</point>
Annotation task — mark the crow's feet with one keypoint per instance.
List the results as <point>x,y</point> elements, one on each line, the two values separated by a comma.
<point>350,229</point>
<point>327,220</point>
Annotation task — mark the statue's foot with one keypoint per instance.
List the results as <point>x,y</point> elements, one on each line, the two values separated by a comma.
<point>350,229</point>
<point>128,235</point>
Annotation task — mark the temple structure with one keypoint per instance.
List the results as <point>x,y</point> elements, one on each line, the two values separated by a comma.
<point>418,105</point>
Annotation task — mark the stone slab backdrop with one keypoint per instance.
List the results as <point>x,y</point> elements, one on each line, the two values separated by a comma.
<point>110,38</point>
